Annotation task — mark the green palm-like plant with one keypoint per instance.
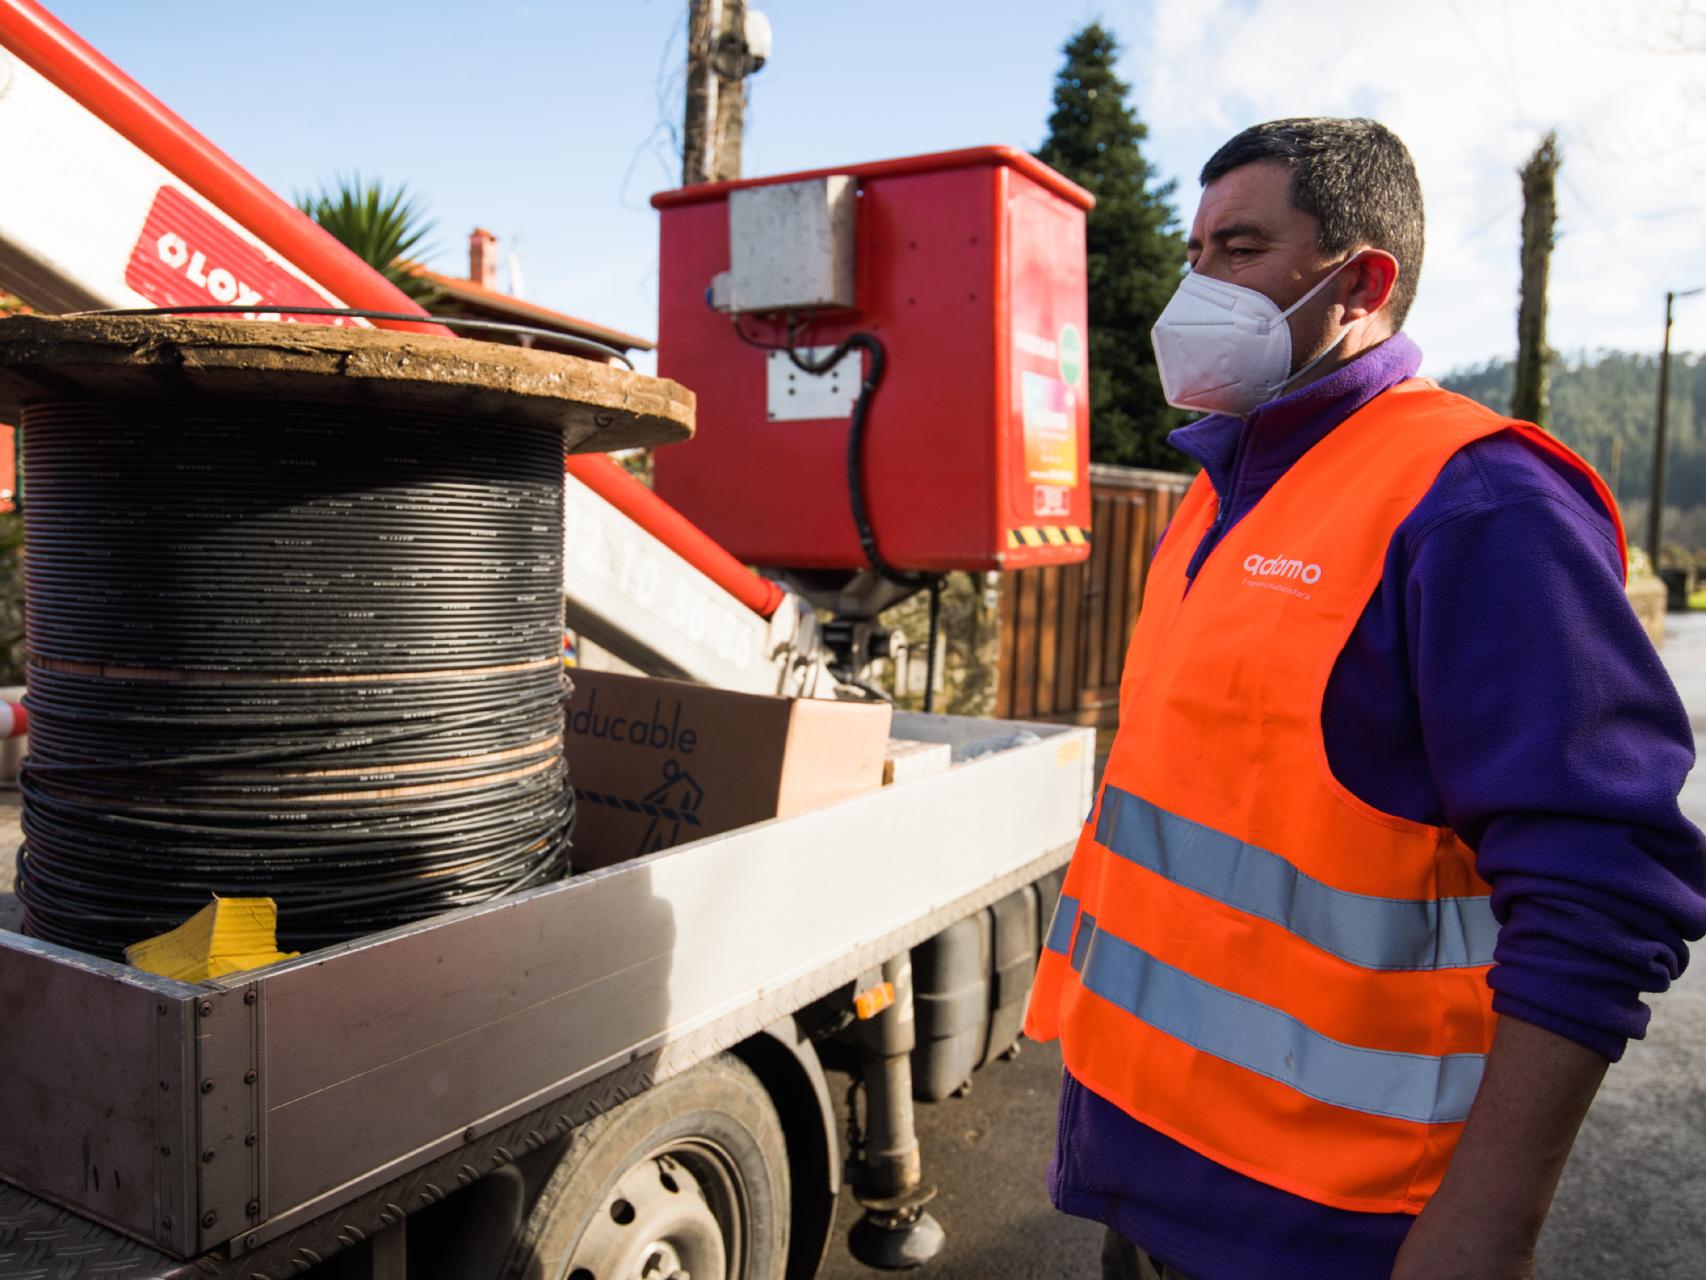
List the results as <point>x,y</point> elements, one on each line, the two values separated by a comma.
<point>386,229</point>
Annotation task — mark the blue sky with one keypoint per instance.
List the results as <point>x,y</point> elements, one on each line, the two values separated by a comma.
<point>548,121</point>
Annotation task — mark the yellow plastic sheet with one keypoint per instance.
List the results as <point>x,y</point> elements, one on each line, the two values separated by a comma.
<point>228,935</point>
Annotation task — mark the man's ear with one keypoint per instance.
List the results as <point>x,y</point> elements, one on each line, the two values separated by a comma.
<point>1373,276</point>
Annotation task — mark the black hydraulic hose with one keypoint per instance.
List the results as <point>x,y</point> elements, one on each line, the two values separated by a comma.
<point>873,377</point>
<point>303,652</point>
<point>871,344</point>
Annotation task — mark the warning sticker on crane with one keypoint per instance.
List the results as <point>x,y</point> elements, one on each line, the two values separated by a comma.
<point>186,256</point>
<point>1050,415</point>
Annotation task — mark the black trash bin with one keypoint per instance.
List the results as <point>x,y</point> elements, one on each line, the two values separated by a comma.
<point>1679,584</point>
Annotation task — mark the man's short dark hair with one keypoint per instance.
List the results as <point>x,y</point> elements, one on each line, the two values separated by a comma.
<point>1354,177</point>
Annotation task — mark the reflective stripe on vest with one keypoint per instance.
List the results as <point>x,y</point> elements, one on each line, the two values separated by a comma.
<point>1405,1086</point>
<point>1376,933</point>
<point>1245,956</point>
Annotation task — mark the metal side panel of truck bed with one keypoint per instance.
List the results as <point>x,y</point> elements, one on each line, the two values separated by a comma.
<point>253,1124</point>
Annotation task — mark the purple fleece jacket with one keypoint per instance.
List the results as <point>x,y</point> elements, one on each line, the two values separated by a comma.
<point>1497,683</point>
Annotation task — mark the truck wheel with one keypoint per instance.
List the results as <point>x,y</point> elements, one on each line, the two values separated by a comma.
<point>688,1181</point>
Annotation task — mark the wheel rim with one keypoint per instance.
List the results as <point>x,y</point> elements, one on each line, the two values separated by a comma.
<point>679,1213</point>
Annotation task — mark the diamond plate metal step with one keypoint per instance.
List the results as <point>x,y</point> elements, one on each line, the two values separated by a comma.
<point>41,1241</point>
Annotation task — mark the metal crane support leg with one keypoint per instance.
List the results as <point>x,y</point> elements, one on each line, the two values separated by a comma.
<point>896,1232</point>
<point>391,1252</point>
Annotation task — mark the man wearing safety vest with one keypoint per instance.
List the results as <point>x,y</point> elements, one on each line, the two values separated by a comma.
<point>1388,844</point>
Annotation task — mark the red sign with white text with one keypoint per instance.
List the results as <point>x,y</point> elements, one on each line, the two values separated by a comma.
<point>186,257</point>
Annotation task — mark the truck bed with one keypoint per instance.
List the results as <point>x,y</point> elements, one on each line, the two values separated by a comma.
<point>357,1083</point>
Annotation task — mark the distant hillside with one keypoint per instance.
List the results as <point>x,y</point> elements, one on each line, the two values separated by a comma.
<point>1606,397</point>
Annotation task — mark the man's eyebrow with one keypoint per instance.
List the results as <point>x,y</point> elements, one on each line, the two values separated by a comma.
<point>1233,231</point>
<point>1237,230</point>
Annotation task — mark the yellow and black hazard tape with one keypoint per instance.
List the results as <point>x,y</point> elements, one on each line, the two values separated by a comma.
<point>1048,536</point>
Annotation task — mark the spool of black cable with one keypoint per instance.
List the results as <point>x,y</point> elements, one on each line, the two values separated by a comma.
<point>297,646</point>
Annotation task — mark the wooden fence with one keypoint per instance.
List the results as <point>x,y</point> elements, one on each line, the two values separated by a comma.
<point>1064,630</point>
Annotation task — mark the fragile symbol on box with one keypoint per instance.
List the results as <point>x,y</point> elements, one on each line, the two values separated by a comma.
<point>671,803</point>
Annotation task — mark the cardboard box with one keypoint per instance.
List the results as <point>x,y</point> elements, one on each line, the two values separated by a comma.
<point>907,760</point>
<point>656,763</point>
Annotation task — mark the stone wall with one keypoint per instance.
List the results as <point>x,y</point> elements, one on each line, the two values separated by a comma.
<point>1647,596</point>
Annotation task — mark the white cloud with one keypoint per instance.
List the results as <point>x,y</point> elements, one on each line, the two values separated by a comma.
<point>1471,85</point>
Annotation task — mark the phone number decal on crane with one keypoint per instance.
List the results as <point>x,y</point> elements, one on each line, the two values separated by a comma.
<point>186,256</point>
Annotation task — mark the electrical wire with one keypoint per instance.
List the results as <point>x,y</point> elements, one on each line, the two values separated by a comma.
<point>795,326</point>
<point>587,348</point>
<point>301,652</point>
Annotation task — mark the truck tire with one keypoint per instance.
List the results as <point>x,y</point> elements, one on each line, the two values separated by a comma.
<point>690,1179</point>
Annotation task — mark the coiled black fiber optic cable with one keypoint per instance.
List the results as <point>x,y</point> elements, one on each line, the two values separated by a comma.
<point>296,651</point>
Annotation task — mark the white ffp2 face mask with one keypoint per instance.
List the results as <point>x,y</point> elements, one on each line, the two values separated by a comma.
<point>1222,348</point>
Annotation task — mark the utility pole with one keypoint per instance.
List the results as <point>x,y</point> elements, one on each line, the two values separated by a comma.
<point>730,64</point>
<point>1529,400</point>
<point>1656,503</point>
<point>718,62</point>
<point>699,124</point>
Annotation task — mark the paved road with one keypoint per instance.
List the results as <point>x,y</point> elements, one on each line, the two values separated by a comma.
<point>1632,1205</point>
<point>1633,1200</point>
<point>988,1152</point>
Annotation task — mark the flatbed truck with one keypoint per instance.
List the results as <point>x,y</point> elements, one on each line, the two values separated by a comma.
<point>505,1076</point>
<point>612,1077</point>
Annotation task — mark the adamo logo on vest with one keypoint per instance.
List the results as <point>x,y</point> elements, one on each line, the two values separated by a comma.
<point>1277,573</point>
<point>1280,567</point>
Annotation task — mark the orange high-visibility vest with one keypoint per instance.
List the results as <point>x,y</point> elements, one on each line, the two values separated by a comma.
<point>1246,957</point>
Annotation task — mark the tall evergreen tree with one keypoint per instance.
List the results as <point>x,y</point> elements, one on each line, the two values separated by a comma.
<point>1135,250</point>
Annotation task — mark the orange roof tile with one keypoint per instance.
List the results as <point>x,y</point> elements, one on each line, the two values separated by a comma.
<point>478,297</point>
